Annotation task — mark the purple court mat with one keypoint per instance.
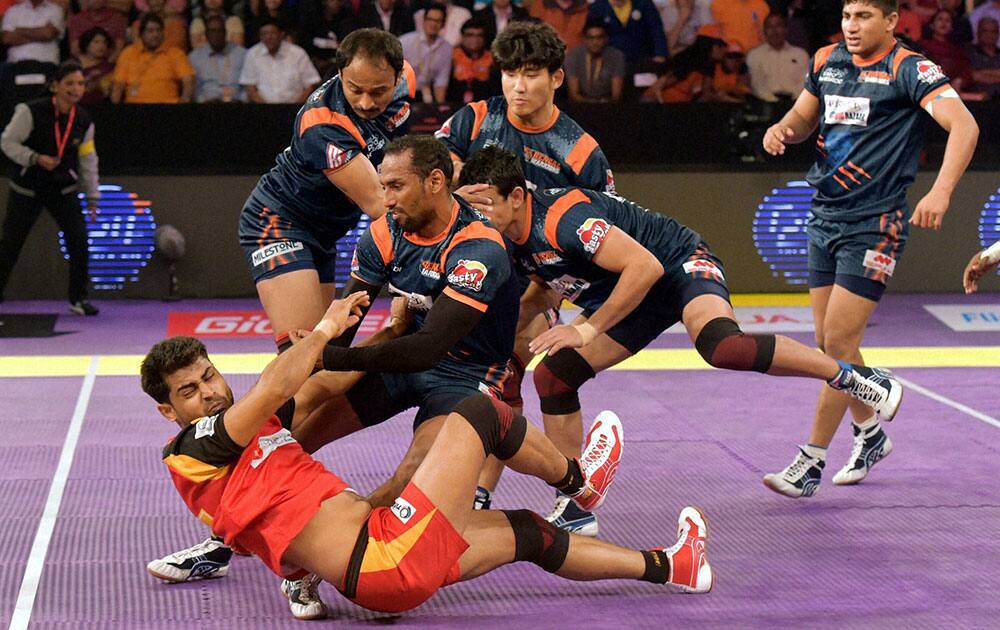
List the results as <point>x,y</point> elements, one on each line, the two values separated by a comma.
<point>914,546</point>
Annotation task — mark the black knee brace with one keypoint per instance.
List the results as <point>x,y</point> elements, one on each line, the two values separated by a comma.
<point>723,345</point>
<point>538,541</point>
<point>500,429</point>
<point>558,379</point>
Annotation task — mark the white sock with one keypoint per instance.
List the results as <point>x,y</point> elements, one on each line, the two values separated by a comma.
<point>816,452</point>
<point>868,427</point>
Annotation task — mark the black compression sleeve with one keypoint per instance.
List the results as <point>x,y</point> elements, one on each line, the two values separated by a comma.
<point>353,285</point>
<point>447,322</point>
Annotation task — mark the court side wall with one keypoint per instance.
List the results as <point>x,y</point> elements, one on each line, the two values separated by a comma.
<point>719,205</point>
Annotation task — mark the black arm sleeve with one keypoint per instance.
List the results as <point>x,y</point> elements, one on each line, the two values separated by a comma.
<point>353,285</point>
<point>286,412</point>
<point>447,322</point>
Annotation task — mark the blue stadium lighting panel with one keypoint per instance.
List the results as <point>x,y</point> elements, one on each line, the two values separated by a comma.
<point>779,231</point>
<point>989,221</point>
<point>122,239</point>
<point>345,250</point>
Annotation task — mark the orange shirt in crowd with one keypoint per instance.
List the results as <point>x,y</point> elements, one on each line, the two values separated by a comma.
<point>909,24</point>
<point>175,32</point>
<point>741,21</point>
<point>569,25</point>
<point>152,76</point>
<point>686,90</point>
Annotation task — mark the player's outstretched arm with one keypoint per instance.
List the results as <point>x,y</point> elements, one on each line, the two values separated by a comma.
<point>797,125</point>
<point>359,181</point>
<point>981,264</point>
<point>284,375</point>
<point>537,299</point>
<point>963,134</point>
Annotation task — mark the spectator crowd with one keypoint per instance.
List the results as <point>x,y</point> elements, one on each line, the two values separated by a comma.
<point>278,51</point>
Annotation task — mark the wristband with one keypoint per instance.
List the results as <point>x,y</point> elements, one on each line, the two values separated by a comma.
<point>587,332</point>
<point>991,254</point>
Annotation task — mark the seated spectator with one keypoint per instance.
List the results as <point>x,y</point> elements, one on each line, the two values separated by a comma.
<point>730,83</point>
<point>217,65</point>
<point>325,23</point>
<point>94,58</point>
<point>261,11</point>
<point>430,55</point>
<point>497,15</point>
<point>276,70</point>
<point>741,21</point>
<point>595,71</point>
<point>634,27</point>
<point>473,75</point>
<point>32,30</point>
<point>682,19</point>
<point>172,7</point>
<point>947,54</point>
<point>909,23</point>
<point>175,30</point>
<point>777,69</point>
<point>125,7</point>
<point>96,14</point>
<point>984,58</point>
<point>962,30</point>
<point>688,76</point>
<point>235,31</point>
<point>149,71</point>
<point>568,17</point>
<point>394,16</point>
<point>989,8</point>
<point>455,17</point>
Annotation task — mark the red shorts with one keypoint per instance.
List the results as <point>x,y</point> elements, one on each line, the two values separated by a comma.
<point>404,555</point>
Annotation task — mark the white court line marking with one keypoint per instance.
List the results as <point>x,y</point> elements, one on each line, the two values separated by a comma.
<point>39,548</point>
<point>978,415</point>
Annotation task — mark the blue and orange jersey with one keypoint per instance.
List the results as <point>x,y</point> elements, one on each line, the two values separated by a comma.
<point>327,136</point>
<point>568,226</point>
<point>870,128</point>
<point>468,262</point>
<point>559,153</point>
<point>227,486</point>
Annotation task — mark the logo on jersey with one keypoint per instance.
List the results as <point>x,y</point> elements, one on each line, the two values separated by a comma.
<point>355,265</point>
<point>847,110</point>
<point>267,444</point>
<point>399,118</point>
<point>569,287</point>
<point>540,160</point>
<point>695,267</point>
<point>592,233</point>
<point>871,76</point>
<point>430,270</point>
<point>929,72</point>
<point>832,75</point>
<point>205,426</point>
<point>403,509</point>
<point>335,156</point>
<point>274,250</point>
<point>547,257</point>
<point>445,130</point>
<point>878,261</point>
<point>609,183</point>
<point>468,274</point>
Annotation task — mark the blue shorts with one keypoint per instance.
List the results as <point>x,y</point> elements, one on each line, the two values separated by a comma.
<point>860,255</point>
<point>700,274</point>
<point>435,392</point>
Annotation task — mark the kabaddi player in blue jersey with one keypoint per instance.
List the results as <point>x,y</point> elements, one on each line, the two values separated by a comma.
<point>555,151</point>
<point>867,95</point>
<point>635,273</point>
<point>325,179</point>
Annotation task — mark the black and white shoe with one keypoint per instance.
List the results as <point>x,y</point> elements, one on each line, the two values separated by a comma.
<point>83,307</point>
<point>867,451</point>
<point>877,388</point>
<point>800,479</point>
<point>206,560</point>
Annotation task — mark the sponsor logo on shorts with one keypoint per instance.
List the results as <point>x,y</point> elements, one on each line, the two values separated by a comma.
<point>267,444</point>
<point>205,426</point>
<point>929,72</point>
<point>872,76</point>
<point>847,110</point>
<point>879,261</point>
<point>569,287</point>
<point>335,156</point>
<point>832,75</point>
<point>469,274</point>
<point>703,266</point>
<point>592,233</point>
<point>541,160</point>
<point>274,250</point>
<point>399,118</point>
<point>548,257</point>
<point>403,510</point>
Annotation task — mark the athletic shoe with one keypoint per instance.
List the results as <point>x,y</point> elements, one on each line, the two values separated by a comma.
<point>866,453</point>
<point>303,598</point>
<point>800,479</point>
<point>689,568</point>
<point>599,461</point>
<point>877,388</point>
<point>568,516</point>
<point>483,500</point>
<point>83,307</point>
<point>208,559</point>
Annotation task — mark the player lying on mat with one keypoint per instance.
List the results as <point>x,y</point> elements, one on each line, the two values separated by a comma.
<point>979,265</point>
<point>241,470</point>
<point>635,273</point>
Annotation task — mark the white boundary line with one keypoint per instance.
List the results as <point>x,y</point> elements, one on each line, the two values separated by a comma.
<point>969,411</point>
<point>39,548</point>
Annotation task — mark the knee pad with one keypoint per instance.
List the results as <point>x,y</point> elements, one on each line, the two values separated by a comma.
<point>499,428</point>
<point>723,345</point>
<point>512,386</point>
<point>558,379</point>
<point>537,541</point>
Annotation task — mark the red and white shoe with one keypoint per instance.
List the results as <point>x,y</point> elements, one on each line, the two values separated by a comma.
<point>599,461</point>
<point>689,568</point>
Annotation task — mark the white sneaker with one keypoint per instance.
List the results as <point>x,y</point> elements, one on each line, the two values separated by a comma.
<point>206,560</point>
<point>800,479</point>
<point>303,598</point>
<point>567,515</point>
<point>865,454</point>
<point>689,568</point>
